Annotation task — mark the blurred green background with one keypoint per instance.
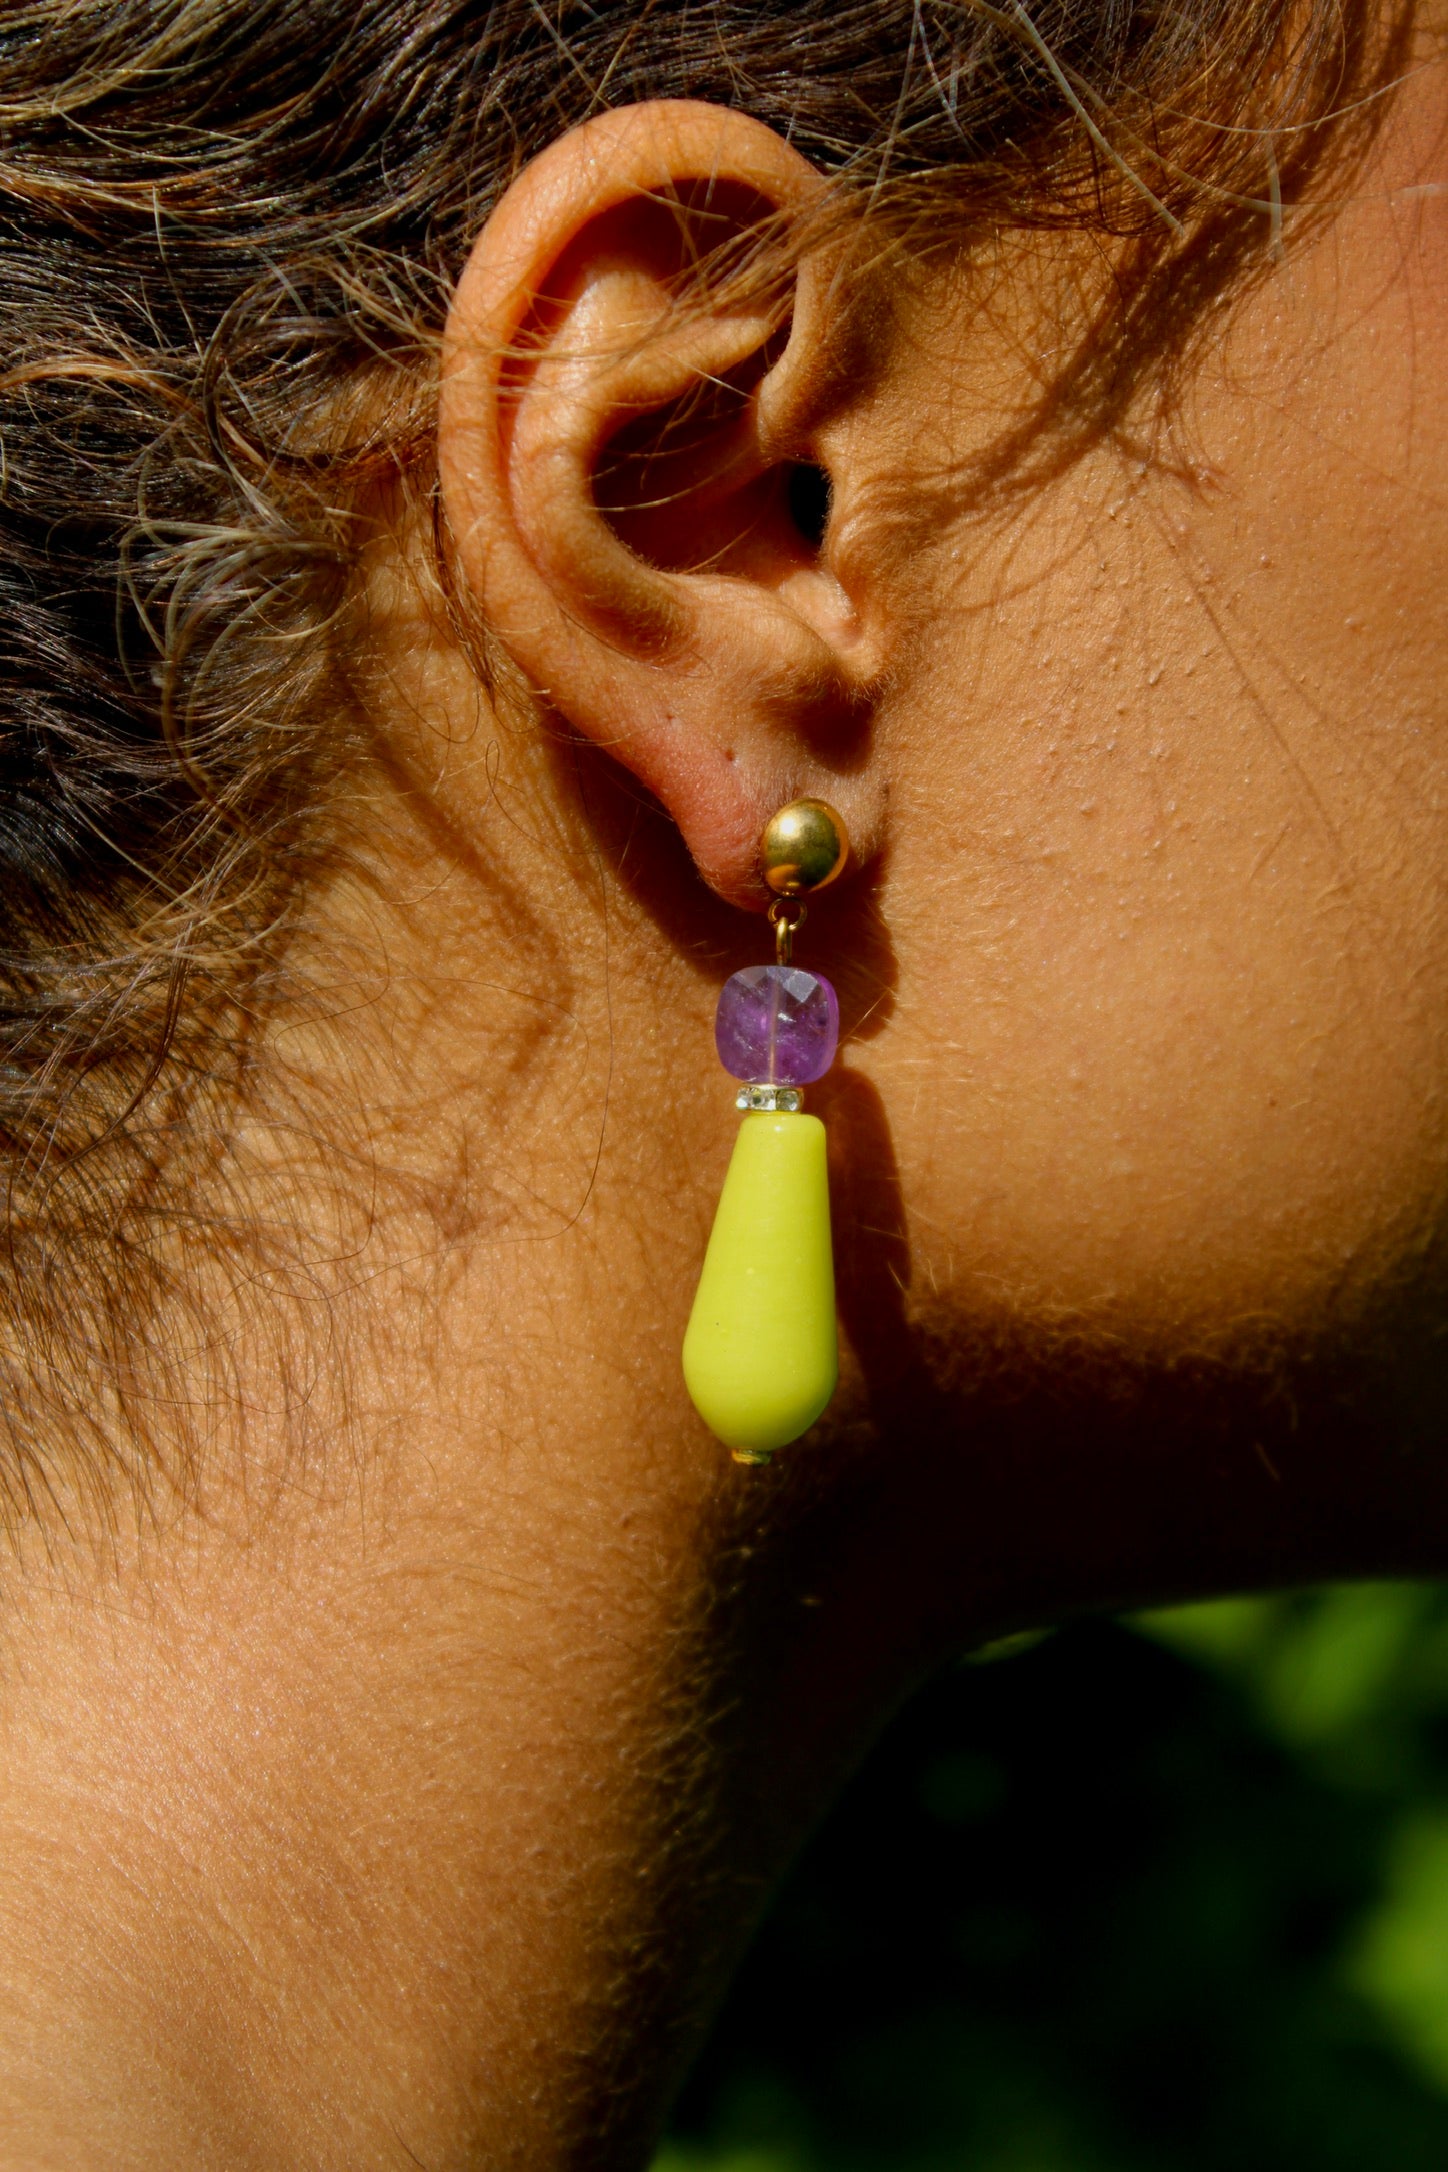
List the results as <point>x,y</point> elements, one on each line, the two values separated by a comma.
<point>1156,1896</point>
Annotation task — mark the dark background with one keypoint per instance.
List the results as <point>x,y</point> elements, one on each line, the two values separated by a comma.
<point>1148,1897</point>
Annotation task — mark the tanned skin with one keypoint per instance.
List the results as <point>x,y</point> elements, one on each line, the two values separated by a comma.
<point>403,1797</point>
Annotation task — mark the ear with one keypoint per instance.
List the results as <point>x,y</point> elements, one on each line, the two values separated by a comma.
<point>621,435</point>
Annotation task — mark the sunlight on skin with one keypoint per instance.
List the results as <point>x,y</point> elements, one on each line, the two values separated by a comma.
<point>1166,865</point>
<point>444,1770</point>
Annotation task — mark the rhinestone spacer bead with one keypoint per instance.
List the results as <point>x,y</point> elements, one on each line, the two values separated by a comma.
<point>788,1098</point>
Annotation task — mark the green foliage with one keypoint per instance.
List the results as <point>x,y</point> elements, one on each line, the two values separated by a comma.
<point>1165,1896</point>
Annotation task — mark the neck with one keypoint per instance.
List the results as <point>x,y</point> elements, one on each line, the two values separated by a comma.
<point>280,1870</point>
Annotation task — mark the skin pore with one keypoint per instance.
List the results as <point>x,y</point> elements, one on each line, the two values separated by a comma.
<point>401,1799</point>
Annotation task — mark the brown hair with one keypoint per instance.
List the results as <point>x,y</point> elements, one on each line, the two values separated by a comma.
<point>218,214</point>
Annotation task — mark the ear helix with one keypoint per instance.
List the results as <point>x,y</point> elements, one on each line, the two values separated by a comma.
<point>761,1354</point>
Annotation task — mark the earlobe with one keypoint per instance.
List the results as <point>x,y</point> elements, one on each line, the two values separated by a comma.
<point>619,441</point>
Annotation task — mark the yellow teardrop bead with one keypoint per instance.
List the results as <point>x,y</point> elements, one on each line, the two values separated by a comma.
<point>760,1356</point>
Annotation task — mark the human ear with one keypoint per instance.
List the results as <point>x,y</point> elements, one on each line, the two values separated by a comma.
<point>621,436</point>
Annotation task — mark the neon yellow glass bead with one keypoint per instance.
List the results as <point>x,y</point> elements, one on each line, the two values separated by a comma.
<point>761,1356</point>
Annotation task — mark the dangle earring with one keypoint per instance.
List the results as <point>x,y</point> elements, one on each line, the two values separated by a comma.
<point>761,1355</point>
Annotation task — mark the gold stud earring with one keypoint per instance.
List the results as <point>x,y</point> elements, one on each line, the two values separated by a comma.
<point>803,848</point>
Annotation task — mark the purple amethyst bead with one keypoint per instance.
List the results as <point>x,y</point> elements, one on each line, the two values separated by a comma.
<point>777,1025</point>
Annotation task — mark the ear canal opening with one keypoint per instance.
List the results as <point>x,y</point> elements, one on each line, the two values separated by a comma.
<point>810,494</point>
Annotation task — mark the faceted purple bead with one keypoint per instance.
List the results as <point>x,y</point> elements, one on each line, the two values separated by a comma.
<point>777,1025</point>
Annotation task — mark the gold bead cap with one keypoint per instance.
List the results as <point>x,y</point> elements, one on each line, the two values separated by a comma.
<point>803,847</point>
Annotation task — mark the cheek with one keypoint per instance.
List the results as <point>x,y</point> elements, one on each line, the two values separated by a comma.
<point>1170,835</point>
<point>1167,891</point>
<point>1168,1044</point>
